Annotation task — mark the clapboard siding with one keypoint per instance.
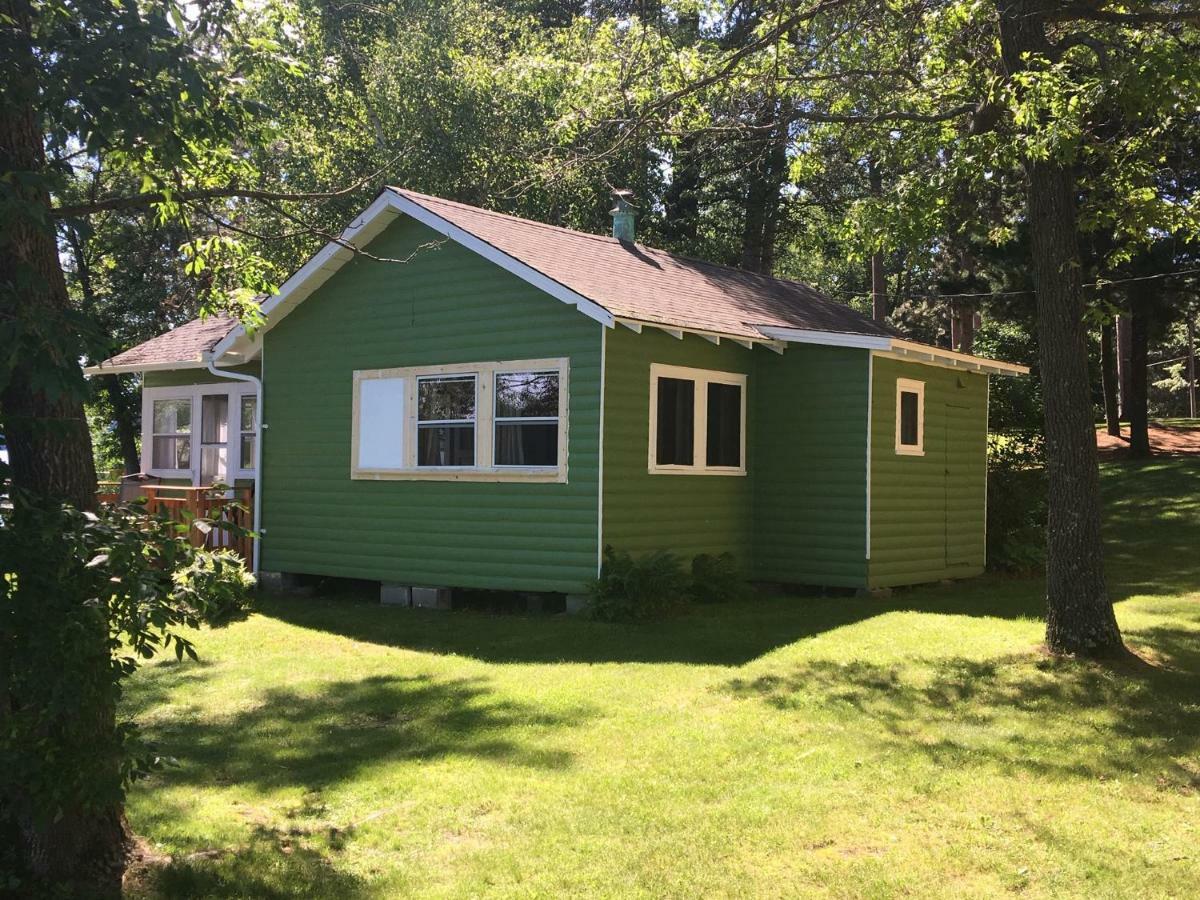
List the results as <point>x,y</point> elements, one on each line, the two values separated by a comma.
<point>685,514</point>
<point>810,443</point>
<point>928,512</point>
<point>446,306</point>
<point>177,377</point>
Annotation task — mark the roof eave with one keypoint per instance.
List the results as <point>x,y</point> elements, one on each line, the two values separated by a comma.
<point>132,368</point>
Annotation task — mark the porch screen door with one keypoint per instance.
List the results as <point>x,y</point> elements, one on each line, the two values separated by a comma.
<point>214,439</point>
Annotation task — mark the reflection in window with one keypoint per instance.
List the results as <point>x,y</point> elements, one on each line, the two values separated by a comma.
<point>171,435</point>
<point>446,420</point>
<point>526,419</point>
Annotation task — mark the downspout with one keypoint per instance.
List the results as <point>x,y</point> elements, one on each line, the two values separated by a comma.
<point>258,442</point>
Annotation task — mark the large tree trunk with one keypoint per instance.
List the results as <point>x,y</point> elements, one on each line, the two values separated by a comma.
<point>1079,613</point>
<point>1139,353</point>
<point>1124,369</point>
<point>125,417</point>
<point>82,853</point>
<point>1108,374</point>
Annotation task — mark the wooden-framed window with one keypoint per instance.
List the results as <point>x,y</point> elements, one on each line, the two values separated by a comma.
<point>204,433</point>
<point>494,421</point>
<point>697,421</point>
<point>910,417</point>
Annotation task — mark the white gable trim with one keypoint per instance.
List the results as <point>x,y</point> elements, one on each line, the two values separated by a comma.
<point>387,207</point>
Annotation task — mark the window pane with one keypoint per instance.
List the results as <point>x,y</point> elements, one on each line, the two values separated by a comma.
<point>526,394</point>
<point>676,425</point>
<point>214,418</point>
<point>534,444</point>
<point>248,410</point>
<point>212,464</point>
<point>446,445</point>
<point>247,451</point>
<point>909,402</point>
<point>172,416</point>
<point>446,399</point>
<point>724,444</point>
<point>172,453</point>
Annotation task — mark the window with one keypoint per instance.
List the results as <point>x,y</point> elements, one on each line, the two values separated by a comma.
<point>526,419</point>
<point>446,421</point>
<point>495,421</point>
<point>697,421</point>
<point>172,434</point>
<point>203,432</point>
<point>910,417</point>
<point>676,422</point>
<point>248,430</point>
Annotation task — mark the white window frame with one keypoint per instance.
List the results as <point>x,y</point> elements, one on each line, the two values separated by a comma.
<point>485,468</point>
<point>193,393</point>
<point>702,379</point>
<point>911,386</point>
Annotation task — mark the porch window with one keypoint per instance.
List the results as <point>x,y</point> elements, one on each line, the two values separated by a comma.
<point>526,418</point>
<point>446,420</point>
<point>910,417</point>
<point>697,421</point>
<point>172,434</point>
<point>248,417</point>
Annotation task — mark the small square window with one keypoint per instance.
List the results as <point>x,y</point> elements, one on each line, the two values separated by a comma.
<point>697,421</point>
<point>910,417</point>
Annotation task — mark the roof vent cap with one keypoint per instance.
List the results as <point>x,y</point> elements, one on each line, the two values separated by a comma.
<point>623,213</point>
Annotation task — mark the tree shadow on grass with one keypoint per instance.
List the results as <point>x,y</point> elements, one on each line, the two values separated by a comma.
<point>325,736</point>
<point>1022,713</point>
<point>726,634</point>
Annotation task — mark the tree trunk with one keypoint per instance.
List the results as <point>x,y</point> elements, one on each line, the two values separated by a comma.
<point>879,301</point>
<point>1123,364</point>
<point>1191,365</point>
<point>82,853</point>
<point>1079,613</point>
<point>1139,352</point>
<point>125,417</point>
<point>762,199</point>
<point>1108,374</point>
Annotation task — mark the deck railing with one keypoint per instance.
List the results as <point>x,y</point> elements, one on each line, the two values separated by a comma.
<point>184,503</point>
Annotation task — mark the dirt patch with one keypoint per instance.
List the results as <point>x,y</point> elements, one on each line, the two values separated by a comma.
<point>1169,439</point>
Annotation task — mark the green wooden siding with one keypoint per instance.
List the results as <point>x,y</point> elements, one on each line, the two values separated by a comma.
<point>928,512</point>
<point>686,514</point>
<point>810,453</point>
<point>178,377</point>
<point>448,305</point>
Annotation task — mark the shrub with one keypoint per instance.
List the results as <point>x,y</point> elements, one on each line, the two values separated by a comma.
<point>641,587</point>
<point>1016,503</point>
<point>717,578</point>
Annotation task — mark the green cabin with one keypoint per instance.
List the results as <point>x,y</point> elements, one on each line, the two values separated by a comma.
<point>482,401</point>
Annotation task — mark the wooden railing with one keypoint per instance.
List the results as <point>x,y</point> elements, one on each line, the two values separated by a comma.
<point>184,503</point>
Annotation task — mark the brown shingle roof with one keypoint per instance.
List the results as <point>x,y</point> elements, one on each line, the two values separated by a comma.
<point>638,282</point>
<point>183,344</point>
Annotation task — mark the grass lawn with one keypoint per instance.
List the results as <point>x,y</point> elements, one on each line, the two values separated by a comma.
<point>840,747</point>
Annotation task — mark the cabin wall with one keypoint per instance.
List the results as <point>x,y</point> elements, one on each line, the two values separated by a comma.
<point>810,443</point>
<point>685,514</point>
<point>447,305</point>
<point>928,513</point>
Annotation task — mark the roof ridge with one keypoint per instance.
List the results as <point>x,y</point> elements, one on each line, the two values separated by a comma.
<point>668,254</point>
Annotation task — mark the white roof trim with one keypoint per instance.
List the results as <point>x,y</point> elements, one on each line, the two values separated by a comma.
<point>914,352</point>
<point>130,368</point>
<point>715,337</point>
<point>387,206</point>
<point>827,338</point>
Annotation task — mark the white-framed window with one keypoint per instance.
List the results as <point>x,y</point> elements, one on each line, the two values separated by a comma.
<point>201,432</point>
<point>697,421</point>
<point>488,421</point>
<point>910,417</point>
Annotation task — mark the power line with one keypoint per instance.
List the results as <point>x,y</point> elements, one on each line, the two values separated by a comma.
<point>1100,283</point>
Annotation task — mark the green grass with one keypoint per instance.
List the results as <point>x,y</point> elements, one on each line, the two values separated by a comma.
<point>793,746</point>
